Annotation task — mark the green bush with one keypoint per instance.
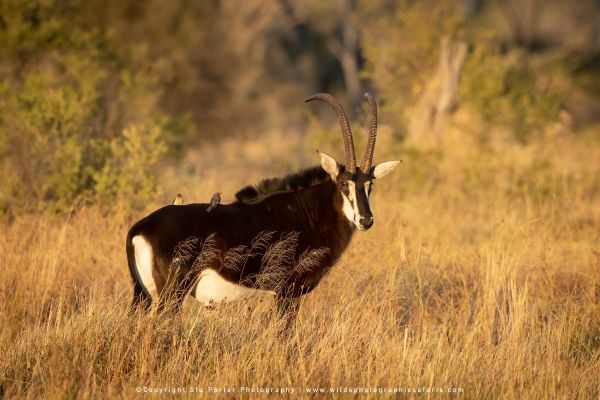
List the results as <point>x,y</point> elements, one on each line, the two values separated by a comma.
<point>51,153</point>
<point>507,86</point>
<point>401,65</point>
<point>131,156</point>
<point>79,115</point>
<point>506,89</point>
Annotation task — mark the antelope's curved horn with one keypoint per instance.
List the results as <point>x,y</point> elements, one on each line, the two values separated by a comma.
<point>345,125</point>
<point>368,158</point>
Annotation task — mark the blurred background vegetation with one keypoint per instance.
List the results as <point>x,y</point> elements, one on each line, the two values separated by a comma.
<point>97,97</point>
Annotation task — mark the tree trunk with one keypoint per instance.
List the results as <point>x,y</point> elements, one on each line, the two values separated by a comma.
<point>345,50</point>
<point>440,97</point>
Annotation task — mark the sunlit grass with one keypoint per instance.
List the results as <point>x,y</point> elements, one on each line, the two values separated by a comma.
<point>482,272</point>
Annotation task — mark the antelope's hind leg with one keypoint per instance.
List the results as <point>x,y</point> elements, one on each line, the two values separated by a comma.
<point>140,297</point>
<point>173,290</point>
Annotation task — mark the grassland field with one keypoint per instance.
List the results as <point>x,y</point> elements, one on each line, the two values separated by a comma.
<point>482,272</point>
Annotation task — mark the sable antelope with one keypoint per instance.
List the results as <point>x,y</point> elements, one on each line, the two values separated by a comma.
<point>319,208</point>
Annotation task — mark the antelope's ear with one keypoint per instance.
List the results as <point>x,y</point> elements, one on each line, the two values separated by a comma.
<point>329,164</point>
<point>384,168</point>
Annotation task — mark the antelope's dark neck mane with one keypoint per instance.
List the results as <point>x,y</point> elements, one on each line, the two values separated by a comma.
<point>291,183</point>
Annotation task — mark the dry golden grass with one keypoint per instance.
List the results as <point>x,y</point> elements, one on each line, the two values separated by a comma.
<point>482,272</point>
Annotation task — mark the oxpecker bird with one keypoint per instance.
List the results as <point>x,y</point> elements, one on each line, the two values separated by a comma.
<point>214,202</point>
<point>178,200</point>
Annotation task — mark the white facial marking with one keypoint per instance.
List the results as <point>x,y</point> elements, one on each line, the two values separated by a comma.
<point>143,262</point>
<point>350,206</point>
<point>211,287</point>
<point>347,208</point>
<point>367,184</point>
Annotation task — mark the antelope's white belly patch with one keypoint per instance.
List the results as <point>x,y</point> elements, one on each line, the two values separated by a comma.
<point>144,261</point>
<point>211,287</point>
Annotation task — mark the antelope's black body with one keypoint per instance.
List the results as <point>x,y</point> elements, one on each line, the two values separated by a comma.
<point>308,203</point>
<point>320,207</point>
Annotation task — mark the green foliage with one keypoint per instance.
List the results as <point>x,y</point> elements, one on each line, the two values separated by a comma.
<point>401,65</point>
<point>508,90</point>
<point>131,155</point>
<point>81,82</point>
<point>52,153</point>
<point>506,86</point>
<point>74,105</point>
<point>42,127</point>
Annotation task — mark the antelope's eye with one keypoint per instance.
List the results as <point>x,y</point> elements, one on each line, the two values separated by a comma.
<point>344,186</point>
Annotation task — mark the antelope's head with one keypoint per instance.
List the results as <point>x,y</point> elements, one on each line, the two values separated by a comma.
<point>355,183</point>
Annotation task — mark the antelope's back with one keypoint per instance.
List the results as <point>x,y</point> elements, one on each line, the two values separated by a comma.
<point>172,224</point>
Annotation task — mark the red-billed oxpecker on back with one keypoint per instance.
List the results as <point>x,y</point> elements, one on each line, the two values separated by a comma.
<point>318,209</point>
<point>178,200</point>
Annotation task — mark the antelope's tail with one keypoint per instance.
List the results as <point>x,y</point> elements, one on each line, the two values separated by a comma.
<point>140,293</point>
